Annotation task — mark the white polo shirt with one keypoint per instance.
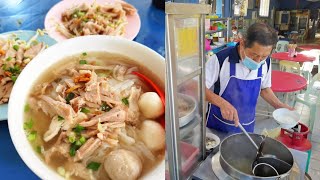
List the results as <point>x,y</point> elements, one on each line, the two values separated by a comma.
<point>213,71</point>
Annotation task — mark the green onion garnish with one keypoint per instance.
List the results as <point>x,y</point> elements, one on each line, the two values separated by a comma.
<point>85,110</point>
<point>38,149</point>
<point>125,101</point>
<point>69,97</point>
<point>26,108</point>
<point>82,140</point>
<point>16,47</point>
<point>28,124</point>
<point>94,166</point>
<point>9,58</point>
<point>32,136</point>
<point>78,129</point>
<point>60,118</point>
<point>83,62</point>
<point>105,107</point>
<point>14,78</point>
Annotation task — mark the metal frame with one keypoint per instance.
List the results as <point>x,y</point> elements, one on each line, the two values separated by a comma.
<point>172,126</point>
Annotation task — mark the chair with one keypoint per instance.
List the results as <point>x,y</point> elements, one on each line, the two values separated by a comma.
<point>289,66</point>
<point>311,98</point>
<point>281,46</point>
<point>301,37</point>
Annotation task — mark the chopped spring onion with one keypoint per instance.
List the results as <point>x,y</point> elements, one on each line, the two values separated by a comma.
<point>105,107</point>
<point>93,165</point>
<point>4,67</point>
<point>60,118</point>
<point>26,108</point>
<point>85,110</point>
<point>72,137</point>
<point>15,69</point>
<point>83,62</point>
<point>9,58</point>
<point>38,149</point>
<point>84,54</point>
<point>28,124</point>
<point>82,140</point>
<point>78,143</point>
<point>14,78</point>
<point>69,97</point>
<point>125,101</point>
<point>78,129</point>
<point>32,136</point>
<point>73,149</point>
<point>16,39</point>
<point>16,47</point>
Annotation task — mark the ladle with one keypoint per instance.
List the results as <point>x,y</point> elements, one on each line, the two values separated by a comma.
<point>245,132</point>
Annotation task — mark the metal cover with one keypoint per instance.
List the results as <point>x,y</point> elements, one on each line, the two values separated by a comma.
<point>184,8</point>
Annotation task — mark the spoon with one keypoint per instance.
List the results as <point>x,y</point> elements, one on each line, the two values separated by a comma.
<point>153,85</point>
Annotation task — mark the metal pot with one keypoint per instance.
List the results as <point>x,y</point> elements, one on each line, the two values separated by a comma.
<point>238,154</point>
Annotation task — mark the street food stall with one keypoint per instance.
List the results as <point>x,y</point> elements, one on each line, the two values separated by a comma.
<point>193,150</point>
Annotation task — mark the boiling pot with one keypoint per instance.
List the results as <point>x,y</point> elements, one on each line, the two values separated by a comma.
<point>238,154</point>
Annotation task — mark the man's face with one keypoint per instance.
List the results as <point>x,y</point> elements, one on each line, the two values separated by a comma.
<point>257,52</point>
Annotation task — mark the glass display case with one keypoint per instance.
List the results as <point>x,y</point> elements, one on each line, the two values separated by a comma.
<point>185,90</point>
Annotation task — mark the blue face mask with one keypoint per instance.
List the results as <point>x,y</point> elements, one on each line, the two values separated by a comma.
<point>251,64</point>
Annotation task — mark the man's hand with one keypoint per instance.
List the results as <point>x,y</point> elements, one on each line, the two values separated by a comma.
<point>228,112</point>
<point>283,105</point>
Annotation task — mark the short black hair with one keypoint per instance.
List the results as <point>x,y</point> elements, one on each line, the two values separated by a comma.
<point>262,34</point>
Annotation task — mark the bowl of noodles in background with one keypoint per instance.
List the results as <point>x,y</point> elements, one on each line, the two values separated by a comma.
<point>82,113</point>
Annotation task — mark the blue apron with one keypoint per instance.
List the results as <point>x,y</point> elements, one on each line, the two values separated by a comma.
<point>243,95</point>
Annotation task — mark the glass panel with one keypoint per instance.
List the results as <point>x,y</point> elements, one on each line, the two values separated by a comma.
<point>190,118</point>
<point>187,37</point>
<point>187,47</point>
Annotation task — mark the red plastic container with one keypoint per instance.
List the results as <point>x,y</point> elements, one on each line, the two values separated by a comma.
<point>189,153</point>
<point>296,140</point>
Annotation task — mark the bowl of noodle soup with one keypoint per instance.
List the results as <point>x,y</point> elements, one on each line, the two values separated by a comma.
<point>76,111</point>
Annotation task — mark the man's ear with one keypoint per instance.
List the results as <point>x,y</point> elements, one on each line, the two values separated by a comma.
<point>241,41</point>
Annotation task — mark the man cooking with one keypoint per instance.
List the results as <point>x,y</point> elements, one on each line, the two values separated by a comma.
<point>236,76</point>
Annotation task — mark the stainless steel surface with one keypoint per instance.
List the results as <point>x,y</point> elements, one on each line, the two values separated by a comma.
<point>172,129</point>
<point>202,85</point>
<point>217,169</point>
<point>187,8</point>
<point>246,133</point>
<point>175,12</point>
<point>237,155</point>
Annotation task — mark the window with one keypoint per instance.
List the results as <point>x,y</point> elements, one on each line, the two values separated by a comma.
<point>240,7</point>
<point>264,8</point>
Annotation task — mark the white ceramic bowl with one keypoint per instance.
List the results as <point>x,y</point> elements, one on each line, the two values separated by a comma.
<point>285,118</point>
<point>215,138</point>
<point>52,55</point>
<point>184,120</point>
